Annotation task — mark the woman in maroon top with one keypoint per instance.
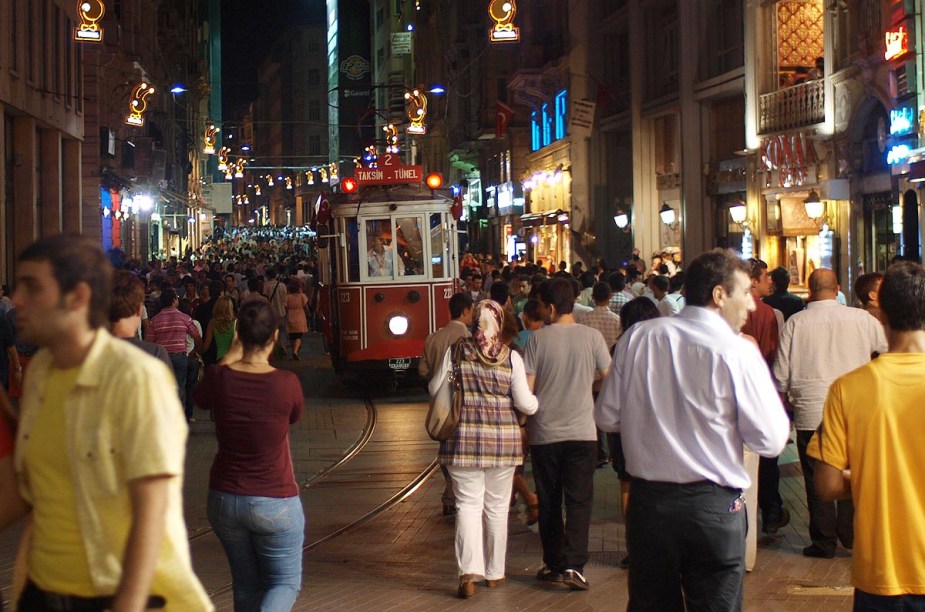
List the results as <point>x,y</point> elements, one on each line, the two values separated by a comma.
<point>253,503</point>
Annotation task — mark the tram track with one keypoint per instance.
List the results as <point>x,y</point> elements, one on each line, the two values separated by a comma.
<point>359,445</point>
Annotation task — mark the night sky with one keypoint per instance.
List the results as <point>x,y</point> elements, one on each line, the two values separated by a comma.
<point>249,29</point>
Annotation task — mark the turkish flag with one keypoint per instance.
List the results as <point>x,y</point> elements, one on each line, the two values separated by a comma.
<point>503,117</point>
<point>324,211</point>
<point>456,208</point>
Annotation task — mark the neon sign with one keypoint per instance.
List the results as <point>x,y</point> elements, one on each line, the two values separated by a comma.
<point>902,121</point>
<point>417,111</point>
<point>897,43</point>
<point>208,139</point>
<point>90,13</point>
<point>503,11</point>
<point>139,104</point>
<point>897,154</point>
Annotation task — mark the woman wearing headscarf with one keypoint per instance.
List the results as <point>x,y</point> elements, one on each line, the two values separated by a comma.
<point>486,447</point>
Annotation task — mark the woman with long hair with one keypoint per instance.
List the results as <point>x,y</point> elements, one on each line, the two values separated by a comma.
<point>253,502</point>
<point>296,317</point>
<point>486,447</point>
<point>221,327</point>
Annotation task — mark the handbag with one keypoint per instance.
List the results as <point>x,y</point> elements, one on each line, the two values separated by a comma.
<point>446,404</point>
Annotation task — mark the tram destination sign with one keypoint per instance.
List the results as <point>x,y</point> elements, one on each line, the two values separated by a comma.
<point>389,172</point>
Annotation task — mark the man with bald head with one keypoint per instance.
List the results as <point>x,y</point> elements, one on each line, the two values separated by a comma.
<point>818,345</point>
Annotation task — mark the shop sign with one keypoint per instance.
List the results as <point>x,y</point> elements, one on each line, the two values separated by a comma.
<point>788,156</point>
<point>389,173</point>
<point>401,43</point>
<point>897,43</point>
<point>902,121</point>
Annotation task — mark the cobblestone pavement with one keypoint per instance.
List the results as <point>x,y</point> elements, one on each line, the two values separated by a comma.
<point>403,557</point>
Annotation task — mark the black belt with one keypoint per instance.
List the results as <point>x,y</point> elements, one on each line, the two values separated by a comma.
<point>55,602</point>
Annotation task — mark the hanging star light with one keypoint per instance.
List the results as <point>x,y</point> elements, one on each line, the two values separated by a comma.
<point>288,182</point>
<point>223,159</point>
<point>332,173</point>
<point>502,12</point>
<point>90,13</point>
<point>391,138</point>
<point>311,177</point>
<point>417,111</point>
<point>208,139</point>
<point>323,173</point>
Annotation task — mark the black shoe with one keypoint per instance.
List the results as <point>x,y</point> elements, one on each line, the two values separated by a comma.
<point>548,574</point>
<point>449,510</point>
<point>602,463</point>
<point>816,551</point>
<point>771,527</point>
<point>575,580</point>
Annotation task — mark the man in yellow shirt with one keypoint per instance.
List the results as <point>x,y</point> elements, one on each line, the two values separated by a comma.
<point>99,450</point>
<point>869,448</point>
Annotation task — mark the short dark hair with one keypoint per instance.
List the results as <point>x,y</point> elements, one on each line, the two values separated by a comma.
<point>499,292</point>
<point>167,298</point>
<point>865,284</point>
<point>532,310</point>
<point>588,279</point>
<point>780,276</point>
<point>76,259</point>
<point>617,281</point>
<point>636,310</point>
<point>459,303</point>
<point>256,324</point>
<point>902,297</point>
<point>755,266</point>
<point>600,292</point>
<point>676,282</point>
<point>560,293</point>
<point>661,283</point>
<point>709,270</point>
<point>128,293</point>
<point>252,284</point>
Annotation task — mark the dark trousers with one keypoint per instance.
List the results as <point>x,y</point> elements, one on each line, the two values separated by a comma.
<point>192,379</point>
<point>866,602</point>
<point>686,545</point>
<point>564,468</point>
<point>769,500</point>
<point>828,521</point>
<point>180,363</point>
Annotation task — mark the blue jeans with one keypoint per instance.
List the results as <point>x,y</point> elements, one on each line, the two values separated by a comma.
<point>866,602</point>
<point>262,537</point>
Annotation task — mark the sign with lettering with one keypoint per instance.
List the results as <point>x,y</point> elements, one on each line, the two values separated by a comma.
<point>902,121</point>
<point>789,156</point>
<point>897,43</point>
<point>389,172</point>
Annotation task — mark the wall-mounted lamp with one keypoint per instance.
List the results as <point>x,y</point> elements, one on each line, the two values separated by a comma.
<point>622,221</point>
<point>815,208</point>
<point>668,216</point>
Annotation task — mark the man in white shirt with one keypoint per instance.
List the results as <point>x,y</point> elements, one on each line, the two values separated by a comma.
<point>683,434</point>
<point>672,303</point>
<point>818,345</point>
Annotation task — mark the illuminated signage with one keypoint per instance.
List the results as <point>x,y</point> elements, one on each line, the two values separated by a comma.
<point>902,121</point>
<point>897,154</point>
<point>417,111</point>
<point>536,139</point>
<point>561,109</point>
<point>208,139</point>
<point>391,173</point>
<point>502,12</point>
<point>897,43</point>
<point>139,104</point>
<point>90,12</point>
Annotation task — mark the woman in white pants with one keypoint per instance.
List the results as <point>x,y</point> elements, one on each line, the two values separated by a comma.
<point>486,447</point>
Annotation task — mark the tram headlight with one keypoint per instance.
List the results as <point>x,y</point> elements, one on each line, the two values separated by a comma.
<point>398,325</point>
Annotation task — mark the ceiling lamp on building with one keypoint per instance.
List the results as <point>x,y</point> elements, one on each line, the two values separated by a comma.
<point>208,139</point>
<point>416,108</point>
<point>622,220</point>
<point>139,104</point>
<point>90,13</point>
<point>814,206</point>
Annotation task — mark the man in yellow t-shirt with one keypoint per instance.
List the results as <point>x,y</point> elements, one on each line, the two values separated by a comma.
<point>99,449</point>
<point>870,448</point>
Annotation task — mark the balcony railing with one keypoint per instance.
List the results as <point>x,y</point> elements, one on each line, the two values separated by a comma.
<point>793,107</point>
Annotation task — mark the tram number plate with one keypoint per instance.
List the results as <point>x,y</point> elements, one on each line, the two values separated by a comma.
<point>401,363</point>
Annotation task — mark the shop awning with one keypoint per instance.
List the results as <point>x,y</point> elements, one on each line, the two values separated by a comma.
<point>550,217</point>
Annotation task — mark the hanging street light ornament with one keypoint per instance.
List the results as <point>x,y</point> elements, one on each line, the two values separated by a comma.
<point>323,173</point>
<point>208,139</point>
<point>311,177</point>
<point>417,111</point>
<point>139,104</point>
<point>239,168</point>
<point>223,159</point>
<point>504,31</point>
<point>332,173</point>
<point>391,138</point>
<point>90,13</point>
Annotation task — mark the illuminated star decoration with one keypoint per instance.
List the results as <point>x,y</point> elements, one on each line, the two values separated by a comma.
<point>333,171</point>
<point>503,11</point>
<point>371,157</point>
<point>417,111</point>
<point>311,177</point>
<point>208,139</point>
<point>90,13</point>
<point>223,159</point>
<point>391,138</point>
<point>139,104</point>
<point>288,182</point>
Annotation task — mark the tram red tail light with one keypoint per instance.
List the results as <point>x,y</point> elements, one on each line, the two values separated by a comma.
<point>434,180</point>
<point>349,185</point>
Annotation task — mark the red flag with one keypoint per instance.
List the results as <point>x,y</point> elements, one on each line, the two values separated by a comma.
<point>324,212</point>
<point>456,208</point>
<point>503,117</point>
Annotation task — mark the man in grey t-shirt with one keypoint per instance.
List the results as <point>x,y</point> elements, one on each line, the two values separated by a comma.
<point>561,361</point>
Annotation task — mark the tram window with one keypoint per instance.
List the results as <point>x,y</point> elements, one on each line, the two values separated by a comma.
<point>353,252</point>
<point>380,250</point>
<point>409,246</point>
<point>437,245</point>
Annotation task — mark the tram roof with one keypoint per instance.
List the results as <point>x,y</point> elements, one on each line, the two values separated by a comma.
<point>382,199</point>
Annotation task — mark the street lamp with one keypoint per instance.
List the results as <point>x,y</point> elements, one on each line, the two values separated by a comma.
<point>815,208</point>
<point>622,221</point>
<point>668,216</point>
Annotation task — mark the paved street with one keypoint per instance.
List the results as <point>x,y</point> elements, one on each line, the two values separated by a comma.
<point>403,557</point>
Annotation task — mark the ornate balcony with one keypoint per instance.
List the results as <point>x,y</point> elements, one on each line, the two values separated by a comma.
<point>792,107</point>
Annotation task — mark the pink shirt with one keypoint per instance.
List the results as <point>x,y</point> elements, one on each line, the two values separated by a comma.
<point>169,329</point>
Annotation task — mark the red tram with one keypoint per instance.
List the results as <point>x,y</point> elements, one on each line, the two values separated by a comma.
<point>392,268</point>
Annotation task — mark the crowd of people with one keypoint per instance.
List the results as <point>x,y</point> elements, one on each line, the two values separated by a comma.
<point>677,378</point>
